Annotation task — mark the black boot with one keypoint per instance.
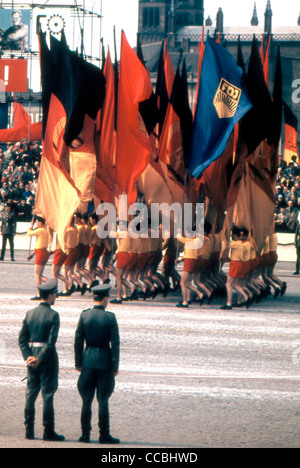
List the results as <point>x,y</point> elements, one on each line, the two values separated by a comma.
<point>85,427</point>
<point>105,437</point>
<point>29,424</point>
<point>49,433</point>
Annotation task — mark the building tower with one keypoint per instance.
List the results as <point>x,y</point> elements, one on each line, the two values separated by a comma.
<point>158,19</point>
<point>268,18</point>
<point>254,19</point>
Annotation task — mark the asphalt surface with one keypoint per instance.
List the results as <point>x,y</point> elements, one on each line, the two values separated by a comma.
<point>196,378</point>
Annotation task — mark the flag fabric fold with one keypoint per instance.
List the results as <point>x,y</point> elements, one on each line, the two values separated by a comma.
<point>133,141</point>
<point>68,165</point>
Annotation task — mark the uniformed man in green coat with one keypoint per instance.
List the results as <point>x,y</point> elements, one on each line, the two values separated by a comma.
<point>37,340</point>
<point>97,348</point>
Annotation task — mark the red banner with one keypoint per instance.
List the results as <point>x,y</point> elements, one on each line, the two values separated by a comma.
<point>14,74</point>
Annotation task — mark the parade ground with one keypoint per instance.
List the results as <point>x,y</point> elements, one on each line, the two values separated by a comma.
<point>195,378</point>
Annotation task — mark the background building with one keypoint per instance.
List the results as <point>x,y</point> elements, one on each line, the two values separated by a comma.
<point>180,23</point>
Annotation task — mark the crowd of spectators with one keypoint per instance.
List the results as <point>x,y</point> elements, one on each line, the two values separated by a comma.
<point>19,172</point>
<point>287,196</point>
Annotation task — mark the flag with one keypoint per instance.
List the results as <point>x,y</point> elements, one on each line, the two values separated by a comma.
<point>222,101</point>
<point>148,109</point>
<point>164,84</point>
<point>17,134</point>
<point>291,128</point>
<point>21,117</point>
<point>256,125</point>
<point>175,137</point>
<point>133,141</point>
<point>106,138</point>
<point>68,165</point>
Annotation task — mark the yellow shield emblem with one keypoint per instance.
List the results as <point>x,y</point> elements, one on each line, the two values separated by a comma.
<point>226,99</point>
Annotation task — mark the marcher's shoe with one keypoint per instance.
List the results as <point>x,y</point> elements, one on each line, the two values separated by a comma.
<point>226,307</point>
<point>64,294</point>
<point>83,289</point>
<point>53,437</point>
<point>110,440</point>
<point>134,296</point>
<point>116,301</point>
<point>182,305</point>
<point>283,289</point>
<point>12,260</point>
<point>295,272</point>
<point>277,292</point>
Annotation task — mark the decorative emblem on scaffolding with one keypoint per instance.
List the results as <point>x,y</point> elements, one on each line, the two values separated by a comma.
<point>56,24</point>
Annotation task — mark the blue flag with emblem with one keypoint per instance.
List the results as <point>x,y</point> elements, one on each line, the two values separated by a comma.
<point>222,101</point>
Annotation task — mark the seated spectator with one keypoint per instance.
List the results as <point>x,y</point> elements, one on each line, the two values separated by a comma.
<point>24,211</point>
<point>281,221</point>
<point>27,193</point>
<point>27,176</point>
<point>6,189</point>
<point>292,192</point>
<point>36,152</point>
<point>3,197</point>
<point>281,203</point>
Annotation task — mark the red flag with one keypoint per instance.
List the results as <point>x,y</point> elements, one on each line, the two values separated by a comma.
<point>291,126</point>
<point>21,117</point>
<point>17,134</point>
<point>133,141</point>
<point>169,71</point>
<point>290,145</point>
<point>106,136</point>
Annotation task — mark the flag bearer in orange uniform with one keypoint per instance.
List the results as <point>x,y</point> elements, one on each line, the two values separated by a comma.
<point>122,263</point>
<point>273,258</point>
<point>236,270</point>
<point>190,268</point>
<point>41,249</point>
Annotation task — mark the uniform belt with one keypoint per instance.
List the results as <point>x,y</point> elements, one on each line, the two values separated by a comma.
<point>34,344</point>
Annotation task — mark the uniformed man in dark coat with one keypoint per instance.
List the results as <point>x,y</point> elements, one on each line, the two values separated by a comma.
<point>98,362</point>
<point>297,245</point>
<point>37,341</point>
<point>8,231</point>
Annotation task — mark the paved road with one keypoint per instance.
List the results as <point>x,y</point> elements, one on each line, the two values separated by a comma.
<point>188,378</point>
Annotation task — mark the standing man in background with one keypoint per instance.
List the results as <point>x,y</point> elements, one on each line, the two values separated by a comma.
<point>8,231</point>
<point>297,245</point>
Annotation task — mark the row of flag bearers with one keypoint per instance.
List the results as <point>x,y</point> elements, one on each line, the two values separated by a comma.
<point>145,267</point>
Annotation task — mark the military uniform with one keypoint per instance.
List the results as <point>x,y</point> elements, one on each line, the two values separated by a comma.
<point>38,338</point>
<point>98,362</point>
<point>8,230</point>
<point>297,245</point>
